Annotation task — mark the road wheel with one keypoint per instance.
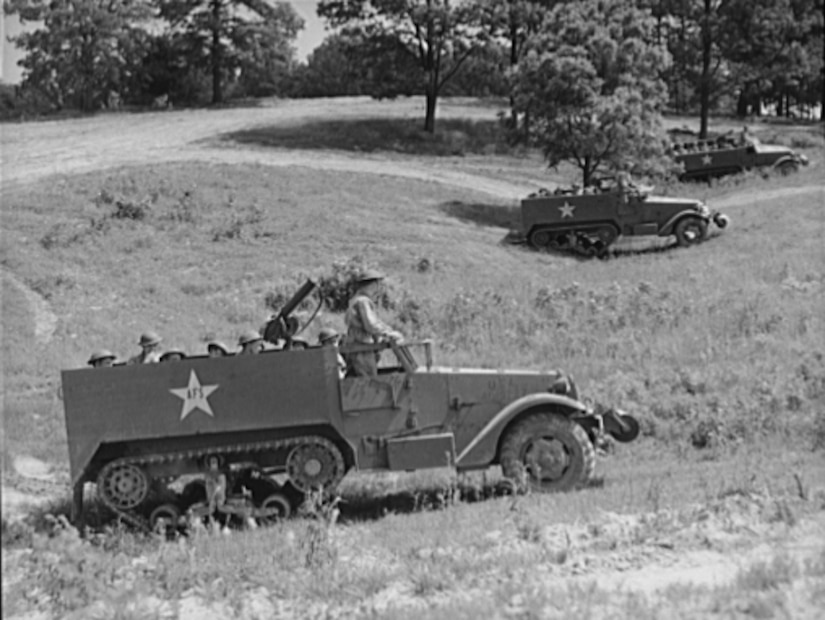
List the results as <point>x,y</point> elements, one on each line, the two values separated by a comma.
<point>539,238</point>
<point>690,231</point>
<point>551,451</point>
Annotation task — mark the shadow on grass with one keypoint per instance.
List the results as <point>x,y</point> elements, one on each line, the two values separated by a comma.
<point>369,135</point>
<point>496,216</point>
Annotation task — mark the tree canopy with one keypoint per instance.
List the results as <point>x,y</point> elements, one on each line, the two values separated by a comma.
<point>440,35</point>
<point>590,83</point>
<point>82,50</point>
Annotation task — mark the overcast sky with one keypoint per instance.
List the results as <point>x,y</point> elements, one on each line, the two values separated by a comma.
<point>308,39</point>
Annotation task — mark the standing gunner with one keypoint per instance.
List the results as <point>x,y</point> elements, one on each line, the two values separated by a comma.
<point>150,349</point>
<point>364,326</point>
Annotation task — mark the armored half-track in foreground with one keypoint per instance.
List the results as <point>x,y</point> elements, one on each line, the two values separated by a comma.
<point>588,222</point>
<point>282,423</point>
<point>703,159</point>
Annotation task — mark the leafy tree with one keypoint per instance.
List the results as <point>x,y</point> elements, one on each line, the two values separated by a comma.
<point>592,83</point>
<point>511,24</point>
<point>83,51</point>
<point>249,38</point>
<point>439,35</point>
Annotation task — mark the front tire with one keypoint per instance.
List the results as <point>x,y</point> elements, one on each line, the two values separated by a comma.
<point>690,231</point>
<point>551,451</point>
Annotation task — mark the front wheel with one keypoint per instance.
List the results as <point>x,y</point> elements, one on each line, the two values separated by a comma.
<point>551,451</point>
<point>690,231</point>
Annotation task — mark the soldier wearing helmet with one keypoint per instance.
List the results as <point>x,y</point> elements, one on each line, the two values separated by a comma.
<point>150,349</point>
<point>251,342</point>
<point>102,358</point>
<point>173,355</point>
<point>217,349</point>
<point>363,324</point>
<point>328,337</point>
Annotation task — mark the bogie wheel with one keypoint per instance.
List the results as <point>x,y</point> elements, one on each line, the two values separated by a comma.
<point>690,231</point>
<point>273,509</point>
<point>315,463</point>
<point>164,518</point>
<point>123,485</point>
<point>550,450</point>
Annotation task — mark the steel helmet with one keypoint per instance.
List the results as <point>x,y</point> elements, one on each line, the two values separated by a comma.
<point>147,339</point>
<point>101,354</point>
<point>369,275</point>
<point>249,336</point>
<point>217,344</point>
<point>327,334</point>
<point>172,351</point>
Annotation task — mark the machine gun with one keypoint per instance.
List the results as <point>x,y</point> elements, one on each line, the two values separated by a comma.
<point>283,327</point>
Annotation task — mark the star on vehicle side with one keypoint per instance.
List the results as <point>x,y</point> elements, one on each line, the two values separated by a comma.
<point>195,396</point>
<point>567,210</point>
<point>707,160</point>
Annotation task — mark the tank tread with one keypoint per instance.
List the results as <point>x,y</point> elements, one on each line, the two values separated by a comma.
<point>139,521</point>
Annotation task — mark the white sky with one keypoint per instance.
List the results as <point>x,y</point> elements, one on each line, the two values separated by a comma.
<point>308,39</point>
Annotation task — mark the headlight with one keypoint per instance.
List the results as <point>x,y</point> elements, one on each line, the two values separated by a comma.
<point>703,210</point>
<point>803,159</point>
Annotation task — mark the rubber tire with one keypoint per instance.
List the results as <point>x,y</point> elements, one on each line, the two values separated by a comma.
<point>683,228</point>
<point>786,168</point>
<point>546,425</point>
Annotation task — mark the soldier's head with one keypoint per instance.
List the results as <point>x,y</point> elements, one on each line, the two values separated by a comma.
<point>369,281</point>
<point>149,341</point>
<point>102,358</point>
<point>251,342</point>
<point>217,349</point>
<point>328,337</point>
<point>173,355</point>
<point>213,462</point>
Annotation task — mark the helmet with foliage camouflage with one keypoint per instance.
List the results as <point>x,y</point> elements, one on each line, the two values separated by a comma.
<point>369,275</point>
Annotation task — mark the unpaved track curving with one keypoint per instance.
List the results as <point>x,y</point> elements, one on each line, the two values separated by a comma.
<point>33,151</point>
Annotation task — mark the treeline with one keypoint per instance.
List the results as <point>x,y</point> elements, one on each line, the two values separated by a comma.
<point>705,56</point>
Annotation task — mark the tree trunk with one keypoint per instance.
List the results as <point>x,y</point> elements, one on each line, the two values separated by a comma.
<point>431,67</point>
<point>513,63</point>
<point>429,118</point>
<point>215,52</point>
<point>742,103</point>
<point>704,80</point>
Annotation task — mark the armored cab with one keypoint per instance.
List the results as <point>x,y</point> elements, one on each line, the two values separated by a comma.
<point>155,438</point>
<point>588,222</point>
<point>704,159</point>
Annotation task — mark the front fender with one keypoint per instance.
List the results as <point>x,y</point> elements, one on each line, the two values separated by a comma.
<point>794,159</point>
<point>667,229</point>
<point>481,451</point>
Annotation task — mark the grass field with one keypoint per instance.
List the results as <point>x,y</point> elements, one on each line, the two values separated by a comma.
<point>718,349</point>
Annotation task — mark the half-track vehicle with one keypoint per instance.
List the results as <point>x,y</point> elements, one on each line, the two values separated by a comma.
<point>589,221</point>
<point>283,423</point>
<point>703,159</point>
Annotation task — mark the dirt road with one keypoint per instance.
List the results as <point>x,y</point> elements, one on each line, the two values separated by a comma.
<point>33,151</point>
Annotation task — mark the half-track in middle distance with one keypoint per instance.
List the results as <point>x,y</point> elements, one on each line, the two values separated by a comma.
<point>589,221</point>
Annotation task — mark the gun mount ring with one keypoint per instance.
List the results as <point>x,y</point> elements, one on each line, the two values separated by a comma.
<point>123,485</point>
<point>315,463</point>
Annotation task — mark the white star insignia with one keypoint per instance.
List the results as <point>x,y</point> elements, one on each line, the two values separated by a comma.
<point>706,160</point>
<point>195,396</point>
<point>566,210</point>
